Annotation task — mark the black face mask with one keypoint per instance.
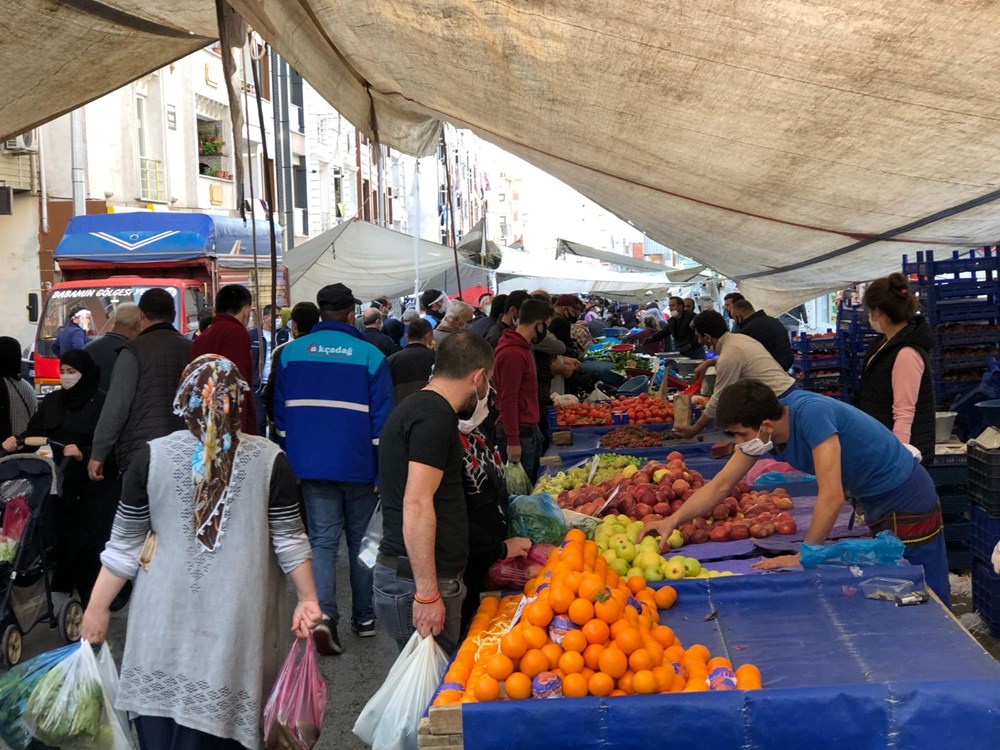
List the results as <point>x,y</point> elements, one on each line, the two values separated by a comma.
<point>540,335</point>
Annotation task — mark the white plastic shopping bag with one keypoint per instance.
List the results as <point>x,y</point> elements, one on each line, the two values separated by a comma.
<point>391,718</point>
<point>72,707</point>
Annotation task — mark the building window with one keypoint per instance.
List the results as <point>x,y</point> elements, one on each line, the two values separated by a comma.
<point>213,151</point>
<point>140,119</point>
<point>151,182</point>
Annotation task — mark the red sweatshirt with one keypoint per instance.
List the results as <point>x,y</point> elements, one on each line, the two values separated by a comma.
<point>230,338</point>
<point>516,383</point>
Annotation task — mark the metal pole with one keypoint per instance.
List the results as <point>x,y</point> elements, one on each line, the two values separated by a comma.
<point>268,193</point>
<point>416,233</point>
<point>279,157</point>
<point>286,150</point>
<point>383,219</point>
<point>451,212</point>
<point>79,176</point>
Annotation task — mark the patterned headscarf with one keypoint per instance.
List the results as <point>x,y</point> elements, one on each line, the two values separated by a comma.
<point>209,399</point>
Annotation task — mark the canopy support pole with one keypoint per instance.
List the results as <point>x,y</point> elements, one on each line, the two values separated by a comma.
<point>451,210</point>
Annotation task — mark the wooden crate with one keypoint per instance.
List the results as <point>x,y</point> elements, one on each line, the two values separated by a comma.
<point>441,729</point>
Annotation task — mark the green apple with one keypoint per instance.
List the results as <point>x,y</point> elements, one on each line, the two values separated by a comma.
<point>648,559</point>
<point>675,539</point>
<point>703,574</point>
<point>650,543</point>
<point>623,547</point>
<point>634,572</point>
<point>610,556</point>
<point>714,574</point>
<point>623,519</point>
<point>659,474</point>
<point>617,528</point>
<point>633,530</point>
<point>691,567</point>
<point>652,573</point>
<point>727,573</point>
<point>620,567</point>
<point>603,534</point>
<point>674,570</point>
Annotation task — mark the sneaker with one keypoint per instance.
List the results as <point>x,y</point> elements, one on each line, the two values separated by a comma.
<point>325,637</point>
<point>364,629</point>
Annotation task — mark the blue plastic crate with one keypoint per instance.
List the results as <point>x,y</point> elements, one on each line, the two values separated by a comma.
<point>986,595</point>
<point>957,527</point>
<point>958,311</point>
<point>948,364</point>
<point>965,261</point>
<point>949,339</point>
<point>959,557</point>
<point>954,500</point>
<point>984,533</point>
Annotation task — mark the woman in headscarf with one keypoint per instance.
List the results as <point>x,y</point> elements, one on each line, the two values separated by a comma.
<point>208,514</point>
<point>17,397</point>
<point>85,509</point>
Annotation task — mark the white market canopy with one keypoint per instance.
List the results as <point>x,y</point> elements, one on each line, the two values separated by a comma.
<point>372,261</point>
<point>566,247</point>
<point>792,145</point>
<point>520,270</point>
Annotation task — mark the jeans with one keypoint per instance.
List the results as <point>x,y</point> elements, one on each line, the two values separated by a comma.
<point>333,508</point>
<point>531,449</point>
<point>261,413</point>
<point>394,606</point>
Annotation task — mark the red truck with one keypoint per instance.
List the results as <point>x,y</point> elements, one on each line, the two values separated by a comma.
<point>106,259</point>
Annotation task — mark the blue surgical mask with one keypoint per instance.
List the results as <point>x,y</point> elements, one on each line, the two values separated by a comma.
<point>756,447</point>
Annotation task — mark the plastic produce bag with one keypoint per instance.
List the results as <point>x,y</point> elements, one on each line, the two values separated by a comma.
<point>372,539</point>
<point>72,706</point>
<point>513,573</point>
<point>517,479</point>
<point>293,716</point>
<point>885,549</point>
<point>538,518</point>
<point>15,689</point>
<point>389,721</point>
<point>15,517</point>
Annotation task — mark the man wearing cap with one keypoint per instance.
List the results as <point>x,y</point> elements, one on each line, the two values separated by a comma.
<point>433,303</point>
<point>332,396</point>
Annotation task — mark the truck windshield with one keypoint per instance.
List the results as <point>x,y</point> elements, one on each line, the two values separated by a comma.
<point>100,300</point>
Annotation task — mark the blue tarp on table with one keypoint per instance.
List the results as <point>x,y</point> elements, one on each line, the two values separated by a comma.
<point>840,671</point>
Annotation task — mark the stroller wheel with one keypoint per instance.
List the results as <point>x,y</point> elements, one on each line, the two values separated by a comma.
<point>70,617</point>
<point>11,646</point>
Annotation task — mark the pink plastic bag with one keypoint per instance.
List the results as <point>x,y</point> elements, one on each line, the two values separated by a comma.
<point>15,518</point>
<point>293,716</point>
<point>508,575</point>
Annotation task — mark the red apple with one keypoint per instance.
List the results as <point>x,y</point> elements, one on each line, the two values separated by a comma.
<point>783,503</point>
<point>699,536</point>
<point>675,456</point>
<point>680,487</point>
<point>689,529</point>
<point>676,505</point>
<point>757,531</point>
<point>720,512</point>
<point>642,509</point>
<point>785,527</point>
<point>739,532</point>
<point>719,534</point>
<point>662,508</point>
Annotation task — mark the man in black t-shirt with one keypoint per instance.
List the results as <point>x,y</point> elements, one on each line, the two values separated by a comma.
<point>425,542</point>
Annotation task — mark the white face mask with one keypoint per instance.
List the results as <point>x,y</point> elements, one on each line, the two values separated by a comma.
<point>68,381</point>
<point>482,409</point>
<point>756,447</point>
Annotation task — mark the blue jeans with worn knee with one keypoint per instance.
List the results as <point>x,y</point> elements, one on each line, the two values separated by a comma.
<point>333,508</point>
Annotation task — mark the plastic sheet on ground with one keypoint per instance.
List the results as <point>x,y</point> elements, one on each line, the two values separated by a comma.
<point>715,550</point>
<point>839,671</point>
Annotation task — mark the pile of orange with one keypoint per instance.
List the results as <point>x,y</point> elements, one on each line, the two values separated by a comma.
<point>613,644</point>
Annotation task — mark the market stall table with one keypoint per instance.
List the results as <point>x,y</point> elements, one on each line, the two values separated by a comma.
<point>839,670</point>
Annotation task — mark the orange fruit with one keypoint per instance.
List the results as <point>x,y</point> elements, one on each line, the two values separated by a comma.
<point>617,693</point>
<point>663,635</point>
<point>534,662</point>
<point>596,631</point>
<point>576,535</point>
<point>560,597</point>
<point>636,584</point>
<point>580,611</point>
<point>591,585</point>
<point>448,698</point>
<point>655,650</point>
<point>538,613</point>
<point>664,678</point>
<point>612,579</point>
<point>534,636</point>
<point>640,660</point>
<point>587,673</point>
<point>573,580</point>
<point>517,686</point>
<point>613,662</point>
<point>592,655</point>
<point>696,685</point>
<point>625,682</point>
<point>607,609</point>
<point>748,678</point>
<point>719,661</point>
<point>513,644</point>
<point>601,684</point>
<point>571,662</point>
<point>665,596</point>
<point>552,652</point>
<point>674,652</point>
<point>629,640</point>
<point>645,682</point>
<point>619,626</point>
<point>574,640</point>
<point>499,667</point>
<point>700,651</point>
<point>678,685</point>
<point>487,689</point>
<point>575,685</point>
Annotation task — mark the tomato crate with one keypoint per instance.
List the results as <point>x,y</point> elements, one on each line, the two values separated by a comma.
<point>974,362</point>
<point>954,499</point>
<point>984,533</point>
<point>984,466</point>
<point>986,595</point>
<point>958,311</point>
<point>987,334</point>
<point>957,527</point>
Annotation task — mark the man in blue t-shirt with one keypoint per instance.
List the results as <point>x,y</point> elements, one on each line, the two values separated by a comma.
<point>848,451</point>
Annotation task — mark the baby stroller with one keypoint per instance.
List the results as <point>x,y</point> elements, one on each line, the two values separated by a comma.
<point>26,599</point>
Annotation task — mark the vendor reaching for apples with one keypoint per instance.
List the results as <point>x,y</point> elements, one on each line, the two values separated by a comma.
<point>848,451</point>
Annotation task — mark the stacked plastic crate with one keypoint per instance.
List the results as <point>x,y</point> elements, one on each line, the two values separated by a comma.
<point>984,522</point>
<point>855,335</point>
<point>950,475</point>
<point>819,362</point>
<point>960,296</point>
